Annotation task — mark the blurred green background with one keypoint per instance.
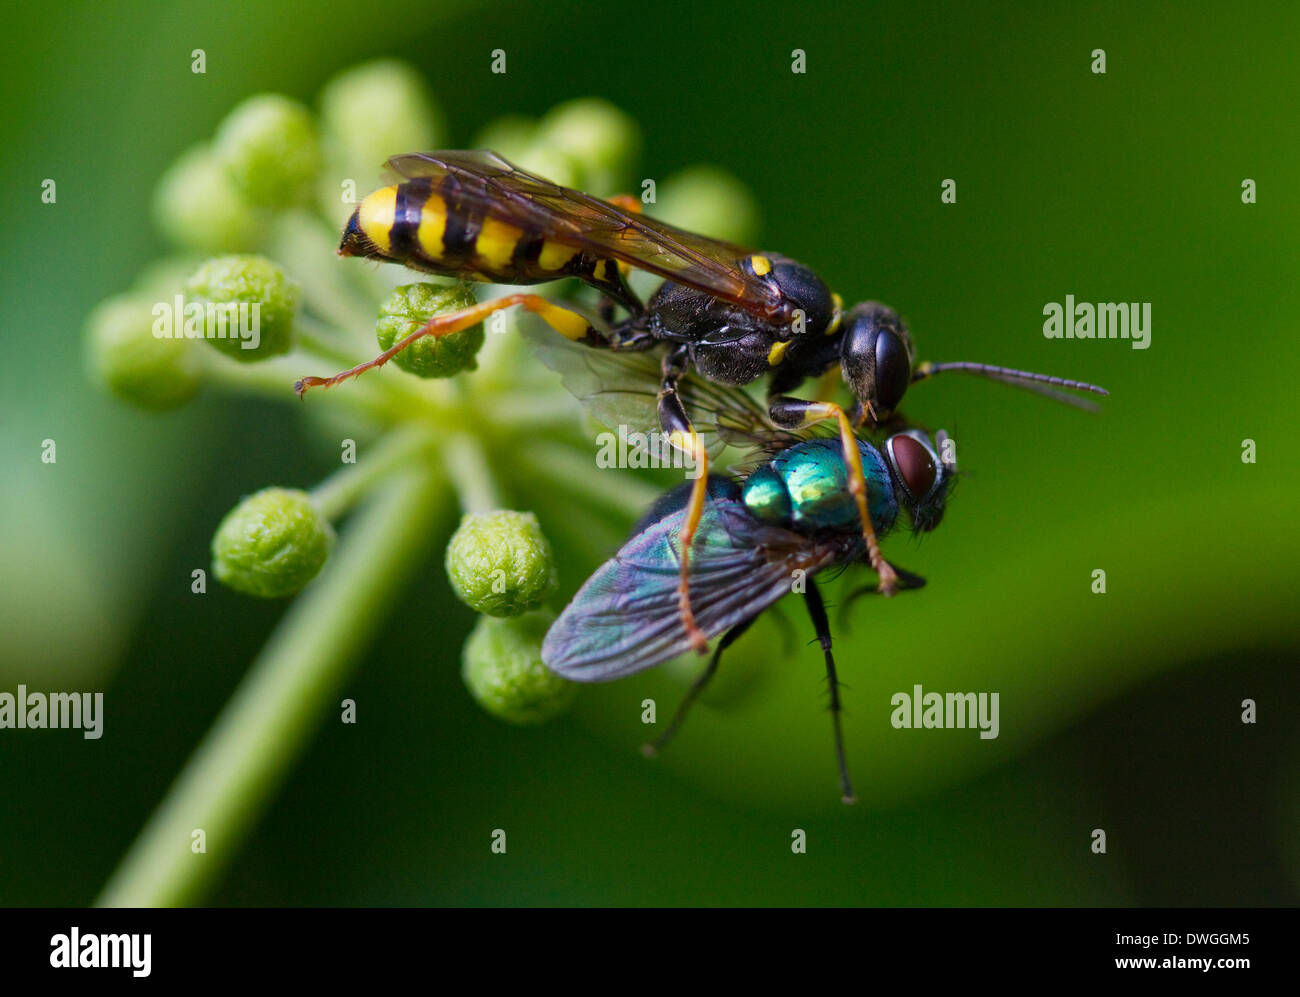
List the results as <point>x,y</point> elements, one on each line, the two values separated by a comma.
<point>1119,711</point>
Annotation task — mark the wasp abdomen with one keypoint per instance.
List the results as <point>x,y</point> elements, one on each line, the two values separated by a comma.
<point>427,228</point>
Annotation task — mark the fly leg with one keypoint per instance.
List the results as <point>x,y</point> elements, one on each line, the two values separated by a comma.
<point>793,413</point>
<point>568,324</point>
<point>817,610</point>
<point>674,421</point>
<point>697,687</point>
<point>906,580</point>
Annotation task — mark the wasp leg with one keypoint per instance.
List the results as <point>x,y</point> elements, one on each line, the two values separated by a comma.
<point>817,610</point>
<point>615,289</point>
<point>606,310</point>
<point>697,687</point>
<point>629,337</point>
<point>792,413</point>
<point>675,422</point>
<point>567,323</point>
<point>614,294</point>
<point>610,278</point>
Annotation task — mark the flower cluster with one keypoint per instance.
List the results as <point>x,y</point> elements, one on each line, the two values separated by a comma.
<point>254,297</point>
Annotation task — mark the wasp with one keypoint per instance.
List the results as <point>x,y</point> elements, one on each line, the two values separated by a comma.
<point>758,539</point>
<point>728,313</point>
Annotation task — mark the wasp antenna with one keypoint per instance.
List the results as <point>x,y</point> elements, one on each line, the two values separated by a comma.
<point>928,370</point>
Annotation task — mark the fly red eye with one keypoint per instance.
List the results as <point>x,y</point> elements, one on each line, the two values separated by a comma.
<point>915,466</point>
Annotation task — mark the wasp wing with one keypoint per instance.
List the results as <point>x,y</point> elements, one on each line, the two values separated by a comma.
<point>626,618</point>
<point>485,181</point>
<point>622,389</point>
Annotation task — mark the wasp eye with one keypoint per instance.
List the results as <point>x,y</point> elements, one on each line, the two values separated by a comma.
<point>915,465</point>
<point>893,371</point>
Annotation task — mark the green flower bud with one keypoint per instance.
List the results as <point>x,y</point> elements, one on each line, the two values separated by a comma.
<point>602,138</point>
<point>252,302</point>
<point>375,110</point>
<point>510,135</point>
<point>555,165</point>
<point>126,357</point>
<point>271,544</point>
<point>708,200</point>
<point>269,147</point>
<point>502,667</point>
<point>197,206</point>
<point>500,563</point>
<point>165,277</point>
<point>412,305</point>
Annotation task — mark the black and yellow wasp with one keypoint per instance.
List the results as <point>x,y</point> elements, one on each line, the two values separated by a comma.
<point>729,313</point>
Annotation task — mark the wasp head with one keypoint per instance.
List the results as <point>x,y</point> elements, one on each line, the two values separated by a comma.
<point>877,356</point>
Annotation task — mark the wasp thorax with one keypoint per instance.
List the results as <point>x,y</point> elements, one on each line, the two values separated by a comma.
<point>877,355</point>
<point>812,305</point>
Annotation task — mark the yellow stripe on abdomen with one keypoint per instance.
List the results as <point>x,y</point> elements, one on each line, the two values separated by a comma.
<point>375,216</point>
<point>433,227</point>
<point>496,244</point>
<point>555,256</point>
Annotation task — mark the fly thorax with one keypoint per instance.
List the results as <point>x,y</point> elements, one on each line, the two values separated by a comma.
<point>807,489</point>
<point>765,496</point>
<point>817,478</point>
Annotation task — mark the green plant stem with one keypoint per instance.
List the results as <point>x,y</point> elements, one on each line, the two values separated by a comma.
<point>322,342</point>
<point>339,492</point>
<point>308,242</point>
<point>467,467</point>
<point>578,475</point>
<point>524,408</point>
<point>325,342</point>
<point>274,379</point>
<point>288,691</point>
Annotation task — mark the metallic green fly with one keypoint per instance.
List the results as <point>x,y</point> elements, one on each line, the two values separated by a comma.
<point>763,535</point>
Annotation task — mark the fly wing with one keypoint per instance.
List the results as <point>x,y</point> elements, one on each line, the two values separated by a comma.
<point>496,186</point>
<point>622,389</point>
<point>625,618</point>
